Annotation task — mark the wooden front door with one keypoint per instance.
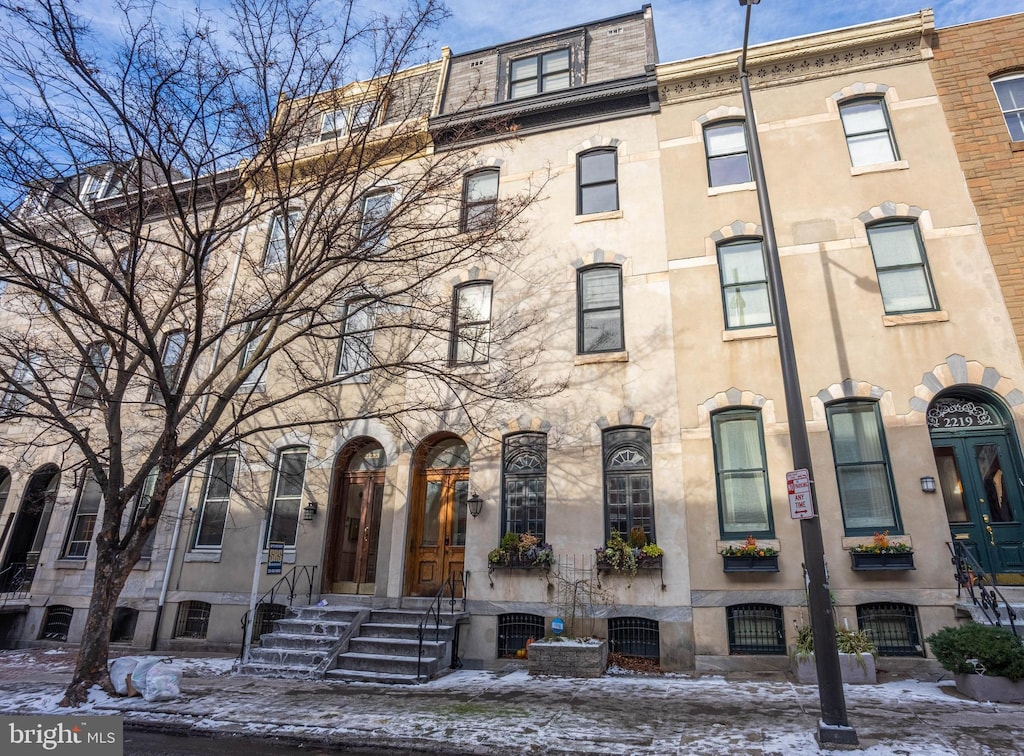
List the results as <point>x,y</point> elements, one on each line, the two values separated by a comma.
<point>437,543</point>
<point>351,560</point>
<point>979,474</point>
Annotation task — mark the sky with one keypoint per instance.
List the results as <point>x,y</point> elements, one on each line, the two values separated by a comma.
<point>691,28</point>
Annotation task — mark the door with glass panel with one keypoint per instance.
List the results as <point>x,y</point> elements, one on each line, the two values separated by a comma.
<point>437,533</point>
<point>979,478</point>
<point>350,560</point>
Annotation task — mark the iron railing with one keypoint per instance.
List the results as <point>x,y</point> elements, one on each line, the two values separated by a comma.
<point>15,581</point>
<point>447,593</point>
<point>981,587</point>
<point>291,581</point>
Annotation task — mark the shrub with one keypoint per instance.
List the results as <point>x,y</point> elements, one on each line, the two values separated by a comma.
<point>973,648</point>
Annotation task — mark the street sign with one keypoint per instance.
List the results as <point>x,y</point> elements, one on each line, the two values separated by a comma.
<point>798,482</point>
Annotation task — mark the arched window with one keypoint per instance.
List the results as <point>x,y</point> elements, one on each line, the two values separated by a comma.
<point>741,471</point>
<point>628,484</point>
<point>471,324</point>
<point>597,181</point>
<point>524,474</point>
<point>479,199</point>
<point>745,294</point>
<point>725,144</point>
<point>868,131</point>
<point>903,274</point>
<point>599,318</point>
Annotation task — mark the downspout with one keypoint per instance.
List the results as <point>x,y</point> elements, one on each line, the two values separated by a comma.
<point>183,500</point>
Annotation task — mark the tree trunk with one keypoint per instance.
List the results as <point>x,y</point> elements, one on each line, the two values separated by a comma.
<point>91,666</point>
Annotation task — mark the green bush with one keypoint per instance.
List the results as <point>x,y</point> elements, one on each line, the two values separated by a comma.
<point>996,650</point>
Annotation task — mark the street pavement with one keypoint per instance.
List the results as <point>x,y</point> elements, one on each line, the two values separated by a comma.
<point>510,712</point>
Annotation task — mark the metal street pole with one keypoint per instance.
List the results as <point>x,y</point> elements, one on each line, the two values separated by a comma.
<point>833,727</point>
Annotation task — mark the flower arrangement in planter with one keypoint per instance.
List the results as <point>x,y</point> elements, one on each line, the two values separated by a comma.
<point>521,551</point>
<point>638,554</point>
<point>750,557</point>
<point>857,654</point>
<point>988,661</point>
<point>882,554</point>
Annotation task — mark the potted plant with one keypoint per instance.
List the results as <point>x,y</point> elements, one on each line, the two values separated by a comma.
<point>750,557</point>
<point>882,554</point>
<point>987,661</point>
<point>521,551</point>
<point>856,656</point>
<point>639,554</point>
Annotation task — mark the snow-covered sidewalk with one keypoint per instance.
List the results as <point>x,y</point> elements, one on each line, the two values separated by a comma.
<point>473,712</point>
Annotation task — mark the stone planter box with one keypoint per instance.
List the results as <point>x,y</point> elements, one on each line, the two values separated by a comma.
<point>854,671</point>
<point>866,561</point>
<point>750,563</point>
<point>995,689</point>
<point>568,658</point>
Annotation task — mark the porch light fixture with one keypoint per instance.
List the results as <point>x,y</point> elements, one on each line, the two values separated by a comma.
<point>928,484</point>
<point>476,504</point>
<point>309,511</point>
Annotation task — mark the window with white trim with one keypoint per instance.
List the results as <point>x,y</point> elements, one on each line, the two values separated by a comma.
<point>279,239</point>
<point>289,475</point>
<point>213,506</point>
<point>479,199</point>
<point>335,124</point>
<point>373,226</point>
<point>546,72</point>
<point>356,348</point>
<point>171,355</point>
<point>1010,93</point>
<point>256,377</point>
<point>471,326</point>
<point>83,520</point>
<point>91,374</point>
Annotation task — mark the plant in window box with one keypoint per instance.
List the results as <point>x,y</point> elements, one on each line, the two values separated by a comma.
<point>619,556</point>
<point>750,557</point>
<point>521,551</point>
<point>882,553</point>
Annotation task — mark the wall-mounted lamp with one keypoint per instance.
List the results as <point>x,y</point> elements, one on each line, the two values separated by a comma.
<point>928,484</point>
<point>309,511</point>
<point>475,504</point>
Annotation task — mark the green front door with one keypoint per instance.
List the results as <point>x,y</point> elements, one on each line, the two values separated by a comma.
<point>980,481</point>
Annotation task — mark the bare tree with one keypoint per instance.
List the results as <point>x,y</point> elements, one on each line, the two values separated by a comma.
<point>195,216</point>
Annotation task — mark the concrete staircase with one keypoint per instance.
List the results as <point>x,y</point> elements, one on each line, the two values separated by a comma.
<point>1014,596</point>
<point>355,644</point>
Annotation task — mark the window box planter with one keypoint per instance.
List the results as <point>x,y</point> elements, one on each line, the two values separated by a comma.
<point>865,561</point>
<point>643,562</point>
<point>750,563</point>
<point>517,562</point>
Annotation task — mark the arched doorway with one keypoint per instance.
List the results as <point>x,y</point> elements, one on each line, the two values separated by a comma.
<point>353,531</point>
<point>978,459</point>
<point>30,524</point>
<point>437,524</point>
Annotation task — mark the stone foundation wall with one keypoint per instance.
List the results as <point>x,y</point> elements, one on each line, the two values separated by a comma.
<point>568,658</point>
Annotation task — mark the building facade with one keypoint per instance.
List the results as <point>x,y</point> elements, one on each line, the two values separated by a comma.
<point>641,278</point>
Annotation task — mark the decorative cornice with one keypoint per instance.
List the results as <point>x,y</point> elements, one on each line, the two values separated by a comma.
<point>896,41</point>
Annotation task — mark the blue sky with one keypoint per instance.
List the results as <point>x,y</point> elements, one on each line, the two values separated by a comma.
<point>690,28</point>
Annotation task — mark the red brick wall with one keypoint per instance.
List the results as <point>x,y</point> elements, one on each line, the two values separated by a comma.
<point>966,59</point>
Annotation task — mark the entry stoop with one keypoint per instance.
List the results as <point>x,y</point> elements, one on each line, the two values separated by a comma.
<point>386,649</point>
<point>300,644</point>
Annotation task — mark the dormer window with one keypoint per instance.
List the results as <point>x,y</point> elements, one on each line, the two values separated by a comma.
<point>335,124</point>
<point>95,187</point>
<point>546,72</point>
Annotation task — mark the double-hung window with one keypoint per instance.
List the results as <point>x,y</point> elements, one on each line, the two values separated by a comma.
<point>1010,93</point>
<point>290,472</point>
<point>171,355</point>
<point>91,374</point>
<point>866,491</point>
<point>725,144</point>
<point>373,227</point>
<point>599,305</point>
<point>335,124</point>
<point>471,324</point>
<point>83,520</point>
<point>355,350</point>
<point>213,508</point>
<point>903,275</point>
<point>741,471</point>
<point>628,482</point>
<point>142,500</point>
<point>279,239</point>
<point>22,383</point>
<point>256,374</point>
<point>546,72</point>
<point>524,476</point>
<point>868,131</point>
<point>479,199</point>
<point>745,294</point>
<point>598,181</point>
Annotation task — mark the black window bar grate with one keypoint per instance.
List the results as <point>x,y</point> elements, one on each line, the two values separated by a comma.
<point>266,616</point>
<point>57,622</point>
<point>892,627</point>
<point>515,629</point>
<point>193,620</point>
<point>634,636</point>
<point>756,629</point>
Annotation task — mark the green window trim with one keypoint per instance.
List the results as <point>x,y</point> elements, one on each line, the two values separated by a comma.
<point>901,265</point>
<point>746,295</point>
<point>741,475</point>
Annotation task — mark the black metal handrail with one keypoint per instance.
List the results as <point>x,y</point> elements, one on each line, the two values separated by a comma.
<point>980,587</point>
<point>289,580</point>
<point>449,588</point>
<point>15,580</point>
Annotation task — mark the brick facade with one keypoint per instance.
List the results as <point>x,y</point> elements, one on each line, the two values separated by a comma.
<point>967,58</point>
